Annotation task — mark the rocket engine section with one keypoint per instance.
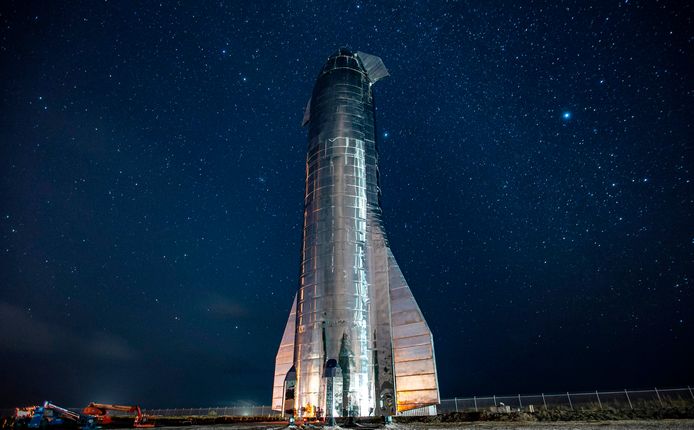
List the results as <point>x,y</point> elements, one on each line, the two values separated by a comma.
<point>356,343</point>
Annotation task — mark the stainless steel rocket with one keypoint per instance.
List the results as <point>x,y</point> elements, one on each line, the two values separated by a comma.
<point>356,343</point>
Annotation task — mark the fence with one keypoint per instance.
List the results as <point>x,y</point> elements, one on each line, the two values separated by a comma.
<point>626,399</point>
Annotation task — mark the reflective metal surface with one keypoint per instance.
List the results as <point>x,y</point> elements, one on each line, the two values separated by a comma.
<point>413,346</point>
<point>361,345</point>
<point>284,361</point>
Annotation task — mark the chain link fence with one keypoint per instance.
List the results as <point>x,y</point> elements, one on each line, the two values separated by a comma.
<point>595,400</point>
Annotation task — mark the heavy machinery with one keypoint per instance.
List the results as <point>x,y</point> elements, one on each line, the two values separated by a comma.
<point>101,412</point>
<point>21,417</point>
<point>51,415</point>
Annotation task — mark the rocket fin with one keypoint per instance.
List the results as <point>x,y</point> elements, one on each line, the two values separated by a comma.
<point>307,114</point>
<point>375,69</point>
<point>416,382</point>
<point>284,360</point>
<point>384,377</point>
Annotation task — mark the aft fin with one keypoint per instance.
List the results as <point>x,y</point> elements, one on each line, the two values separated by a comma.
<point>416,382</point>
<point>284,360</point>
<point>307,113</point>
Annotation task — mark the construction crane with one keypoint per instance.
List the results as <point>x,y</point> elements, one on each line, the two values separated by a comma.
<point>100,412</point>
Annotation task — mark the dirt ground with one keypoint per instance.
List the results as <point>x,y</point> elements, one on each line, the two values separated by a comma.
<point>571,425</point>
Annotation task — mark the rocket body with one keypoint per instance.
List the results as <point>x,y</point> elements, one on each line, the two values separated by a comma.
<point>355,343</point>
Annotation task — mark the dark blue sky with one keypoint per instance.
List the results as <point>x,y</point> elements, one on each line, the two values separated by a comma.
<point>536,167</point>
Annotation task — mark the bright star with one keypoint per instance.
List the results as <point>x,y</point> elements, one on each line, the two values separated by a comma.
<point>385,134</point>
<point>566,115</point>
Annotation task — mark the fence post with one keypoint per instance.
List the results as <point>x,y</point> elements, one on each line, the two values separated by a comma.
<point>474,398</point>
<point>627,394</point>
<point>569,397</point>
<point>494,400</point>
<point>520,404</point>
<point>455,399</point>
<point>544,401</point>
<point>658,394</point>
<point>598,396</point>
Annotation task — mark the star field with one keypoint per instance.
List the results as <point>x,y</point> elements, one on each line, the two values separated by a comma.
<point>536,169</point>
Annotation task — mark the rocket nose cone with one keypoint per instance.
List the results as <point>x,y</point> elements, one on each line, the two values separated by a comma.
<point>343,58</point>
<point>343,51</point>
<point>367,64</point>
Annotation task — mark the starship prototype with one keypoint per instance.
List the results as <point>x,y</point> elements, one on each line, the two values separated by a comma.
<point>356,344</point>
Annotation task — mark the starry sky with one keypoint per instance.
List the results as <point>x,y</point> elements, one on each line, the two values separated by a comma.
<point>536,167</point>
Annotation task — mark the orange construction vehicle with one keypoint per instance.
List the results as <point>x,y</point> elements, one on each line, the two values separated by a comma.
<point>100,411</point>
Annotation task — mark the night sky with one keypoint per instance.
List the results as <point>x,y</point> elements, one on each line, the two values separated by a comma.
<point>536,167</point>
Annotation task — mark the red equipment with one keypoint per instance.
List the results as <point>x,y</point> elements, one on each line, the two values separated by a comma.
<point>100,411</point>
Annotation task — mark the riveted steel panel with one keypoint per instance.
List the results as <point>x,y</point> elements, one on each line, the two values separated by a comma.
<point>419,382</point>
<point>416,398</point>
<point>416,367</point>
<point>411,353</point>
<point>415,329</point>
<point>405,342</point>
